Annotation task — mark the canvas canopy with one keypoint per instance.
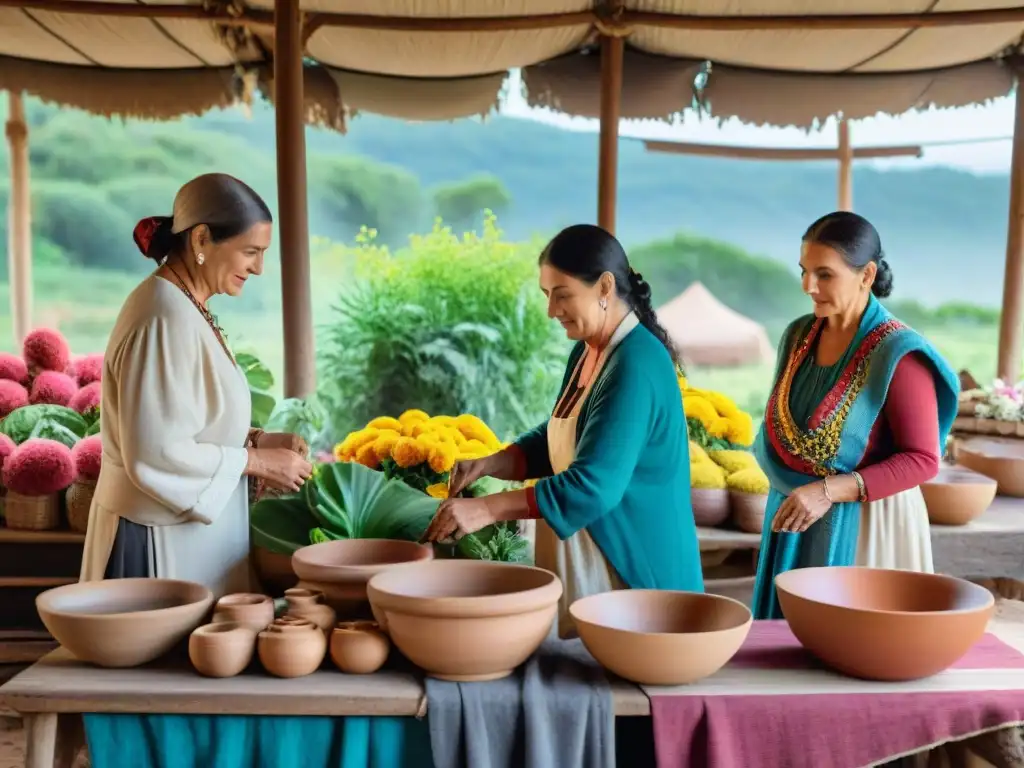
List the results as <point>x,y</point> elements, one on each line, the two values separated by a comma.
<point>706,332</point>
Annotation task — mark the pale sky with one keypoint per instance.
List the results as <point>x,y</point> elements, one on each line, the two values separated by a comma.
<point>992,123</point>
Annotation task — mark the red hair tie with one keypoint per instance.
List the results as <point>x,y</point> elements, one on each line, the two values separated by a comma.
<point>146,229</point>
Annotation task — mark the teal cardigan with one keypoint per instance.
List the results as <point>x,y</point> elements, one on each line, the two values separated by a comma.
<point>629,486</point>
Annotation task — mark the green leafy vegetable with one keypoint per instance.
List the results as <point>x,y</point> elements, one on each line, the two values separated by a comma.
<point>359,503</point>
<point>500,542</point>
<point>281,524</point>
<point>52,422</point>
<point>341,501</point>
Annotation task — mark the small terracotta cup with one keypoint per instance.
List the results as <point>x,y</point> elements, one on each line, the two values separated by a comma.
<point>221,649</point>
<point>359,647</point>
<point>246,608</point>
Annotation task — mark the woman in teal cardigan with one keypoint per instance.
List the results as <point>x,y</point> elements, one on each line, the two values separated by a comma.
<point>612,502</point>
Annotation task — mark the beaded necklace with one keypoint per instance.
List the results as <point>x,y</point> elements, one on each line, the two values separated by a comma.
<point>210,318</point>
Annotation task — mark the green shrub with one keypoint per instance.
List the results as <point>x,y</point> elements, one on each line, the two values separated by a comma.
<point>447,324</point>
<point>81,220</point>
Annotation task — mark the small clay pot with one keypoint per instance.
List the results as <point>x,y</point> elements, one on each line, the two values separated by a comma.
<point>297,596</point>
<point>710,506</point>
<point>291,647</point>
<point>748,510</point>
<point>320,614</point>
<point>222,649</point>
<point>251,610</point>
<point>309,604</point>
<point>359,647</point>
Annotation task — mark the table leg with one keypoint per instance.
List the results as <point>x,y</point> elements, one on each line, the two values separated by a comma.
<point>40,739</point>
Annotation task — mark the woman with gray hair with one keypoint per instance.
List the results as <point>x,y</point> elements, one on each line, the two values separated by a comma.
<point>173,494</point>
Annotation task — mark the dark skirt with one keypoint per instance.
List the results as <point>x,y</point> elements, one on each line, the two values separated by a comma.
<point>130,555</point>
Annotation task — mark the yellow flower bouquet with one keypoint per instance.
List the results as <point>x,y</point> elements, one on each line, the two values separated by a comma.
<point>714,420</point>
<point>418,448</point>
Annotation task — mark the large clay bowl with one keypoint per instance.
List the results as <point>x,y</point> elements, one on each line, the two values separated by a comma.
<point>957,495</point>
<point>123,622</point>
<point>658,637</point>
<point>466,620</point>
<point>710,506</point>
<point>1000,458</point>
<point>882,624</point>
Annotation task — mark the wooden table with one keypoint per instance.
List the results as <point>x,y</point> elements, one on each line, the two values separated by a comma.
<point>60,684</point>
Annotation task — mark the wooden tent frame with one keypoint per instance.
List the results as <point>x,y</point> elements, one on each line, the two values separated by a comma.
<point>291,29</point>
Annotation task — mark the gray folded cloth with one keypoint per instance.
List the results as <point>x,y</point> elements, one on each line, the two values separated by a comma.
<point>555,711</point>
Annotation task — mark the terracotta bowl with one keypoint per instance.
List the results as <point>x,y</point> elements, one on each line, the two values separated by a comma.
<point>346,565</point>
<point>957,495</point>
<point>879,624</point>
<point>123,622</point>
<point>710,506</point>
<point>999,458</point>
<point>466,620</point>
<point>658,637</point>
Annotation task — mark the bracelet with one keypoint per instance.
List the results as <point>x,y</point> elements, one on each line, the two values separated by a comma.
<point>862,491</point>
<point>253,438</point>
<point>828,493</point>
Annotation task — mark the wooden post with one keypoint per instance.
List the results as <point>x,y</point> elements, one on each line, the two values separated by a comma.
<point>845,202</point>
<point>612,49</point>
<point>297,310</point>
<point>19,221</point>
<point>1012,317</point>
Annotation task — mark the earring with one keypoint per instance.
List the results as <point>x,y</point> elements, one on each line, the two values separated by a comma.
<point>603,303</point>
<point>200,259</point>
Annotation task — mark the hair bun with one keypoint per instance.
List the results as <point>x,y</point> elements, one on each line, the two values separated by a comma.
<point>151,235</point>
<point>882,287</point>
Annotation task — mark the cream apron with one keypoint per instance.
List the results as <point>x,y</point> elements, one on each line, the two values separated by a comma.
<point>894,533</point>
<point>577,561</point>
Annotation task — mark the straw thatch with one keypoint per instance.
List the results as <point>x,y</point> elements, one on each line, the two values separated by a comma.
<point>108,63</point>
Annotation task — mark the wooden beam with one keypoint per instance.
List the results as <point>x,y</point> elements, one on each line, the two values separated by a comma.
<point>612,52</point>
<point>623,21</point>
<point>296,299</point>
<point>219,15</point>
<point>844,201</point>
<point>1011,321</point>
<point>19,220</point>
<point>777,153</point>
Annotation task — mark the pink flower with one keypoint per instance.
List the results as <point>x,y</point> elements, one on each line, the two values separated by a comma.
<point>39,467</point>
<point>46,350</point>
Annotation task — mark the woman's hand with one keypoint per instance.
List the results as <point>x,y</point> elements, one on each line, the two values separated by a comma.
<point>281,468</point>
<point>801,509</point>
<point>467,472</point>
<point>286,440</point>
<point>457,517</point>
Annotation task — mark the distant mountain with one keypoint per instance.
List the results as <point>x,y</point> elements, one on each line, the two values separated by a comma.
<point>944,230</point>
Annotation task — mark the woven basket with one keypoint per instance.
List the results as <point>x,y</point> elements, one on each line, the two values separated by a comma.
<point>79,499</point>
<point>32,513</point>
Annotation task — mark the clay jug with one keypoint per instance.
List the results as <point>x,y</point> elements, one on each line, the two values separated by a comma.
<point>297,596</point>
<point>292,647</point>
<point>359,647</point>
<point>222,649</point>
<point>249,609</point>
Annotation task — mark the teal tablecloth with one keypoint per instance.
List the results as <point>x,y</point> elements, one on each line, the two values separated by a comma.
<point>234,741</point>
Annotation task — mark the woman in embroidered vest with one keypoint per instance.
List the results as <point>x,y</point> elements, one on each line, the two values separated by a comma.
<point>172,497</point>
<point>613,502</point>
<point>856,421</point>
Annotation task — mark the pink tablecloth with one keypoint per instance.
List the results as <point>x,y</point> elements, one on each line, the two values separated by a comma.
<point>775,706</point>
